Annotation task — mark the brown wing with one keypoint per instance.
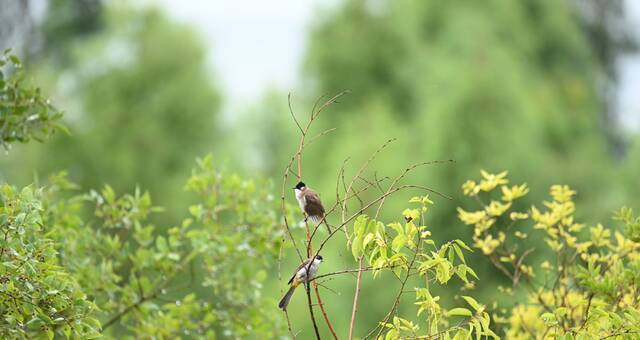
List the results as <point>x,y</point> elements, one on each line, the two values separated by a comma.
<point>313,205</point>
<point>305,263</point>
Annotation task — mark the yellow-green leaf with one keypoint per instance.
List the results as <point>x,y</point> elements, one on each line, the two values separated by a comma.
<point>459,312</point>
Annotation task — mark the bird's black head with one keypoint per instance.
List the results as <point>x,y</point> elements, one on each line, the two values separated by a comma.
<point>319,257</point>
<point>299,186</point>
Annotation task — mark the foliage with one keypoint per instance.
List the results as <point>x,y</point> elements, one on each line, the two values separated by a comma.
<point>445,76</point>
<point>412,251</point>
<point>24,113</point>
<point>148,103</point>
<point>115,274</point>
<point>200,278</point>
<point>244,234</point>
<point>587,285</point>
<point>38,296</point>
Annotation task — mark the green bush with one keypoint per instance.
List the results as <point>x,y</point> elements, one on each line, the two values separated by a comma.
<point>585,282</point>
<point>24,113</point>
<point>38,295</point>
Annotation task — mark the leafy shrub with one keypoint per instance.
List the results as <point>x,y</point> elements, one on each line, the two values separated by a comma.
<point>407,249</point>
<point>200,278</point>
<point>586,283</point>
<point>24,113</point>
<point>38,296</point>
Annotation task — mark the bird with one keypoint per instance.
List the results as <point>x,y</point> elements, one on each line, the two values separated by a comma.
<point>300,276</point>
<point>309,202</point>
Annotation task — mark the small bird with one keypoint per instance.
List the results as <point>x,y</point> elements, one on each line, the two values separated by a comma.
<point>300,276</point>
<point>310,203</point>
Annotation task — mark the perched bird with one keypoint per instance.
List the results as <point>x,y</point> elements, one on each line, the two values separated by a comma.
<point>310,203</point>
<point>300,276</point>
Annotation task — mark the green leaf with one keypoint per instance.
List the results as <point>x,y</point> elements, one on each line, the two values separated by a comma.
<point>398,242</point>
<point>161,244</point>
<point>368,238</point>
<point>472,302</point>
<point>397,227</point>
<point>360,224</point>
<point>356,247</point>
<point>461,271</point>
<point>459,253</point>
<point>469,270</point>
<point>459,312</point>
<point>463,245</point>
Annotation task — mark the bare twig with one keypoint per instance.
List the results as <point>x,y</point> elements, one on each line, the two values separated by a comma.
<point>350,192</point>
<point>315,113</point>
<point>286,315</point>
<point>346,271</point>
<point>356,296</point>
<point>404,173</point>
<point>323,311</point>
<point>361,170</point>
<point>284,210</point>
<point>307,287</point>
<point>314,138</point>
<point>292,114</point>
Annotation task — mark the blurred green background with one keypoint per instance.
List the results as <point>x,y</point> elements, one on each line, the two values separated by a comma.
<point>536,87</point>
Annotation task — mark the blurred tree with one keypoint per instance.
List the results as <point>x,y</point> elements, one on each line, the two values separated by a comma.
<point>454,73</point>
<point>610,36</point>
<point>266,147</point>
<point>30,34</point>
<point>144,108</point>
<point>66,21</point>
<point>494,85</point>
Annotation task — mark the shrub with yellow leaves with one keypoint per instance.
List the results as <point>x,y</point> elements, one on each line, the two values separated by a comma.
<point>408,250</point>
<point>589,288</point>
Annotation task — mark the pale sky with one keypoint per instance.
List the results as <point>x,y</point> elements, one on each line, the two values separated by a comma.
<point>254,44</point>
<point>258,44</point>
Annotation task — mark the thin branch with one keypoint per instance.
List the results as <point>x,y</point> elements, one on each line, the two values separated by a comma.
<point>404,173</point>
<point>356,296</point>
<point>307,287</point>
<point>326,287</point>
<point>317,102</point>
<point>286,315</point>
<point>346,271</point>
<point>400,291</point>
<point>359,212</point>
<point>159,288</point>
<point>292,114</point>
<point>314,138</point>
<point>361,170</point>
<point>298,157</point>
<point>284,210</point>
<point>517,271</point>
<point>324,313</point>
<point>316,112</point>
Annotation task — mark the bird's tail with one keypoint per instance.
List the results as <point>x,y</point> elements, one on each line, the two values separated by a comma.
<point>321,219</point>
<point>287,297</point>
